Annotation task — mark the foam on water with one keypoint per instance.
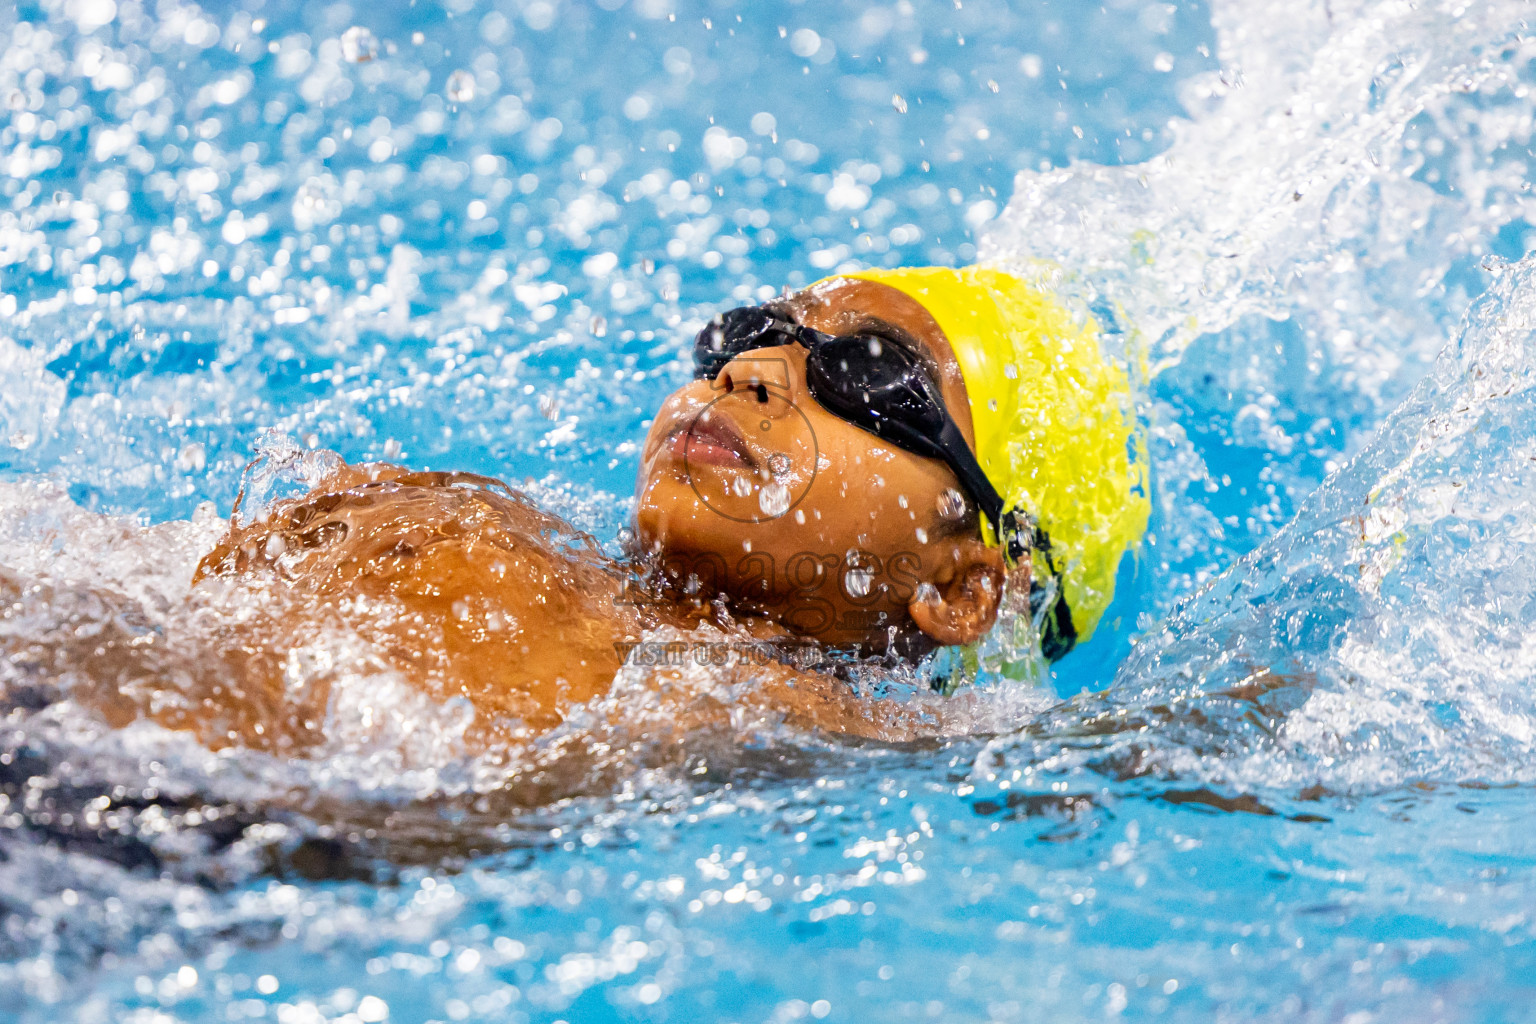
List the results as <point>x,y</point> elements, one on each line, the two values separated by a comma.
<point>1381,638</point>
<point>421,248</point>
<point>1293,263</point>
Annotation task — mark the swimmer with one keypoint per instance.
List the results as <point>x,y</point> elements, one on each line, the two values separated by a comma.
<point>875,465</point>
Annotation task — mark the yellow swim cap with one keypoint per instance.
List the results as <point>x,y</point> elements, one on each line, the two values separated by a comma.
<point>1054,420</point>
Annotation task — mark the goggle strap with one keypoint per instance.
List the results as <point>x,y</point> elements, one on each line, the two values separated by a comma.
<point>1058,634</point>
<point>1022,537</point>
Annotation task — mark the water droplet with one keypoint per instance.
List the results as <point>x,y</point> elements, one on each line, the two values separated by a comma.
<point>773,499</point>
<point>899,103</point>
<point>859,576</point>
<point>800,516</point>
<point>1011,372</point>
<point>922,535</point>
<point>927,593</point>
<point>599,326</point>
<point>316,202</point>
<point>358,45</point>
<point>461,87</point>
<point>778,464</point>
<point>741,486</point>
<point>372,1010</point>
<point>951,503</point>
<point>858,580</point>
<point>89,15</point>
<point>192,458</point>
<point>901,499</point>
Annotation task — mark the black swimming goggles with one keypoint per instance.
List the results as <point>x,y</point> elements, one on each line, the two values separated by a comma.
<point>882,386</point>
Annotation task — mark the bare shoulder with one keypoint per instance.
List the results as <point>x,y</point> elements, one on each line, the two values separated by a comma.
<point>374,519</point>
<point>462,584</point>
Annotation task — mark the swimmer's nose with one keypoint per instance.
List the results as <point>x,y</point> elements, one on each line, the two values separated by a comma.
<point>725,382</point>
<point>767,380</point>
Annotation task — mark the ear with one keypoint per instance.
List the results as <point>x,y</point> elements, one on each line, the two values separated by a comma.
<point>963,602</point>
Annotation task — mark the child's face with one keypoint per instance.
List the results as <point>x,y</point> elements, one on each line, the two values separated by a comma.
<point>748,487</point>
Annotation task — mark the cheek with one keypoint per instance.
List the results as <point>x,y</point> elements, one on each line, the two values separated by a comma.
<point>877,500</point>
<point>857,484</point>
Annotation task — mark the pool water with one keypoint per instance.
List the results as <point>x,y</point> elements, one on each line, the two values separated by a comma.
<point>1290,779</point>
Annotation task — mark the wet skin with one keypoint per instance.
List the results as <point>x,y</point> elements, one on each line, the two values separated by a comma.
<point>867,527</point>
<point>466,589</point>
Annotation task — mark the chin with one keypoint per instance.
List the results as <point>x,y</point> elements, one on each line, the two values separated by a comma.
<point>650,528</point>
<point>669,519</point>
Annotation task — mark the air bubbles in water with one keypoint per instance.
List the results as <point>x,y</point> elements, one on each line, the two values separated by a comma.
<point>461,87</point>
<point>773,499</point>
<point>950,503</point>
<point>899,103</point>
<point>358,45</point>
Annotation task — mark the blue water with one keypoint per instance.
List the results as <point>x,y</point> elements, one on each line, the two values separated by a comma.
<point>1289,780</point>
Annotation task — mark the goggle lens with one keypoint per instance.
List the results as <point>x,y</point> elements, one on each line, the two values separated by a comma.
<point>729,335</point>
